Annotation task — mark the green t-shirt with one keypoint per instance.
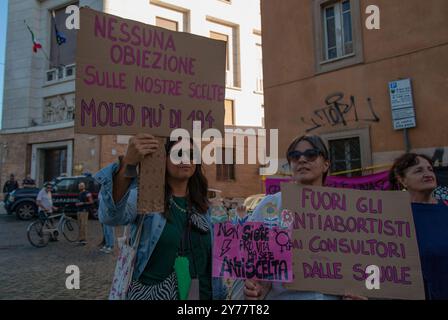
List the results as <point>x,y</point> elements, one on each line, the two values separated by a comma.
<point>161,262</point>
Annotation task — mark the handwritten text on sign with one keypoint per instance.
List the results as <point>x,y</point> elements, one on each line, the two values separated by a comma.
<point>337,233</point>
<point>252,251</point>
<point>133,77</point>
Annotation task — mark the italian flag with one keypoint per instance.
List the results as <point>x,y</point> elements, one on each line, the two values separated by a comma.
<point>36,45</point>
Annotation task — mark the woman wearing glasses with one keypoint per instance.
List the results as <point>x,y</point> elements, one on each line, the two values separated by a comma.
<point>309,162</point>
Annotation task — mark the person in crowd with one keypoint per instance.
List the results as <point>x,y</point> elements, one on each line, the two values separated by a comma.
<point>415,173</point>
<point>44,200</point>
<point>109,238</point>
<point>10,186</point>
<point>182,232</point>
<point>85,205</point>
<point>45,205</point>
<point>28,182</point>
<point>309,161</point>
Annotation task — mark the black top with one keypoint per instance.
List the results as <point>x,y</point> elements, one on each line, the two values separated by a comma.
<point>10,186</point>
<point>84,197</point>
<point>431,225</point>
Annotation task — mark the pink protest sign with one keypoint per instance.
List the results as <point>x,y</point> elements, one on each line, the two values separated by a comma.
<point>252,251</point>
<point>273,184</point>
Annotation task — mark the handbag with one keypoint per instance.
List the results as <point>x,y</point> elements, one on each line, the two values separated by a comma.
<point>176,286</point>
<point>188,288</point>
<point>125,263</point>
<point>182,270</point>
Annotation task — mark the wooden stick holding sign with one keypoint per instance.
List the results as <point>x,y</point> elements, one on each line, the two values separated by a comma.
<point>151,181</point>
<point>136,78</point>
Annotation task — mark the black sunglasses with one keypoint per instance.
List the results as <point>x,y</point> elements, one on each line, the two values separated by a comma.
<point>309,154</point>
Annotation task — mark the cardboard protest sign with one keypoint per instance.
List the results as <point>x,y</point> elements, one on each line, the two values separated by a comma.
<point>252,251</point>
<point>337,233</point>
<point>151,182</point>
<point>132,77</point>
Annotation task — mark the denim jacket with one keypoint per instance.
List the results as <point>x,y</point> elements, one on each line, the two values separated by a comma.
<point>125,212</point>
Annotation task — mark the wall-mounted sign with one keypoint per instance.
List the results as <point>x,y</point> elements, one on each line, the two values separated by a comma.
<point>402,104</point>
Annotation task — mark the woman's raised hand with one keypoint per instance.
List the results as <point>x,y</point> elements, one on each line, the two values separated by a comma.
<point>140,146</point>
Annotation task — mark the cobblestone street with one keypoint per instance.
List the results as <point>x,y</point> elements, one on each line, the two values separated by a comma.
<point>39,273</point>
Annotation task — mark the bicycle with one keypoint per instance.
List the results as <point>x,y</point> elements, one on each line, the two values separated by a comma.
<point>40,231</point>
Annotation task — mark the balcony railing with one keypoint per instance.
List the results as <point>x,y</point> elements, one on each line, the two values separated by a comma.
<point>62,73</point>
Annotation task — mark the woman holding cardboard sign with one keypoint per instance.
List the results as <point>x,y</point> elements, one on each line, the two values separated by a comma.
<point>173,259</point>
<point>415,173</point>
<point>309,162</point>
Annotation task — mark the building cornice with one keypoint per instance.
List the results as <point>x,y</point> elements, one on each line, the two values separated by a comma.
<point>49,127</point>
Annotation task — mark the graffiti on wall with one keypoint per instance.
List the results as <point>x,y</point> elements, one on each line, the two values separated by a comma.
<point>339,112</point>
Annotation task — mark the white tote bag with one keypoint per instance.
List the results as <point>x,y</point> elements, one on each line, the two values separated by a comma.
<point>125,263</point>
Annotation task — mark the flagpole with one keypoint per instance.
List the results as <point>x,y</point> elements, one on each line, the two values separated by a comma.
<point>53,13</point>
<point>32,38</point>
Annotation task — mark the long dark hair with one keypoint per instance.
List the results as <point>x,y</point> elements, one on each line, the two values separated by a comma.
<point>197,189</point>
<point>402,163</point>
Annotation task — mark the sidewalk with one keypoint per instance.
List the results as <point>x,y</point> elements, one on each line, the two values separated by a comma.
<point>39,273</point>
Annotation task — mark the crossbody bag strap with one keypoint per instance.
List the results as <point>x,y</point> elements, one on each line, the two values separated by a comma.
<point>126,234</point>
<point>186,238</point>
<point>141,218</point>
<point>183,241</point>
<point>191,247</point>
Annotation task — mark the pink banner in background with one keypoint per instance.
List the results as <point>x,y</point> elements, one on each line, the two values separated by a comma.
<point>377,181</point>
<point>273,184</point>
